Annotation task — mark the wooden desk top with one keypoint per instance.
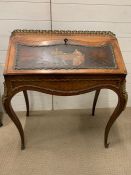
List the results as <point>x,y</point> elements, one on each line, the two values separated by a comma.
<point>63,52</point>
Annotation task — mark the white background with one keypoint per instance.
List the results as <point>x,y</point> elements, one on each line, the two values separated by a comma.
<point>113,15</point>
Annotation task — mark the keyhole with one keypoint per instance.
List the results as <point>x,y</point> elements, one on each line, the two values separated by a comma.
<point>65,41</point>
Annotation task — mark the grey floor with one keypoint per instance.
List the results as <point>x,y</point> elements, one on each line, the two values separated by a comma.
<point>66,142</point>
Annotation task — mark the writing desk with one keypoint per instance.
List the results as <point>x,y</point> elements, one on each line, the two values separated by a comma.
<point>63,63</point>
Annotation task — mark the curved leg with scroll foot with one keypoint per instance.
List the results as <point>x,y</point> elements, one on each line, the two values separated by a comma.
<point>122,100</point>
<point>95,101</point>
<point>9,110</point>
<point>27,102</point>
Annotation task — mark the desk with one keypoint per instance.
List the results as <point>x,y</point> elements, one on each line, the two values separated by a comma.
<point>63,63</point>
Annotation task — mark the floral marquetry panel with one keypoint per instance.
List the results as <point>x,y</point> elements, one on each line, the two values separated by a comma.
<point>64,56</point>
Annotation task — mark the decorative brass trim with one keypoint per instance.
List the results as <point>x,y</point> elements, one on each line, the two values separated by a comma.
<point>65,79</point>
<point>53,85</point>
<point>24,31</point>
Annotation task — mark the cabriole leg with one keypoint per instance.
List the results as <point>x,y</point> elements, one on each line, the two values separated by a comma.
<point>9,110</point>
<point>122,100</point>
<point>27,102</point>
<point>95,101</point>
